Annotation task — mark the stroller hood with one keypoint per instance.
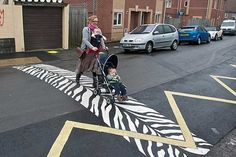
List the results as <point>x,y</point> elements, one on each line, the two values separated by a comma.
<point>107,61</point>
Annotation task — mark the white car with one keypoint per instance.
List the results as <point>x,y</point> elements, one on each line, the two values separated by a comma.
<point>149,36</point>
<point>229,27</point>
<point>216,33</point>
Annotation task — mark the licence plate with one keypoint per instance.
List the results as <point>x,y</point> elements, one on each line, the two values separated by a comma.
<point>126,45</point>
<point>184,35</point>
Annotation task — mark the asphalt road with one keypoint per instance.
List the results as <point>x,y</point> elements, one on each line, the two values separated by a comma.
<point>187,97</point>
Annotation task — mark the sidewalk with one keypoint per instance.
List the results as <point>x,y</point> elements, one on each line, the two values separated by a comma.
<point>17,58</point>
<point>226,147</point>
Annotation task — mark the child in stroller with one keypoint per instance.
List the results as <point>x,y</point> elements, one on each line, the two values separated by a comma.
<point>110,80</point>
<point>115,82</point>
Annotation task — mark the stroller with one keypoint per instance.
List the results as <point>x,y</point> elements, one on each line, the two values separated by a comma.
<point>105,61</point>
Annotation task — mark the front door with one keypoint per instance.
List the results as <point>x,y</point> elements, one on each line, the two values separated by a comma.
<point>134,20</point>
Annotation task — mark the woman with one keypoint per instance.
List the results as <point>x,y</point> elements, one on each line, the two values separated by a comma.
<point>88,60</point>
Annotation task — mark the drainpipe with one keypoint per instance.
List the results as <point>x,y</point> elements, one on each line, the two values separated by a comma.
<point>207,9</point>
<point>178,8</point>
<point>181,17</point>
<point>10,2</point>
<point>164,13</point>
<point>94,7</point>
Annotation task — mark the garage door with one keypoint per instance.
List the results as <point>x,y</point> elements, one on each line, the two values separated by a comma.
<point>42,27</point>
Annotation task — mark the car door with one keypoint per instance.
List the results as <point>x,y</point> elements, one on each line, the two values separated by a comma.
<point>204,33</point>
<point>200,33</point>
<point>168,36</point>
<point>219,32</point>
<point>158,36</point>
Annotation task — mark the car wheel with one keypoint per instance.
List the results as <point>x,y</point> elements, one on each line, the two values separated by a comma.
<point>216,37</point>
<point>209,39</point>
<point>174,45</point>
<point>149,47</point>
<point>199,41</point>
<point>221,38</point>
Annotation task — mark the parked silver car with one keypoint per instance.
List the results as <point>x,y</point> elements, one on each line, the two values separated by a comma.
<point>150,36</point>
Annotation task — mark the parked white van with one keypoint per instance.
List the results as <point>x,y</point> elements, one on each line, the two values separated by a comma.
<point>229,27</point>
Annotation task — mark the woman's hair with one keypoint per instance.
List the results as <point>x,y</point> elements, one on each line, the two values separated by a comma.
<point>91,18</point>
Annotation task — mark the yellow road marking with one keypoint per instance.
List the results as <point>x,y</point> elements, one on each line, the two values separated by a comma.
<point>17,61</point>
<point>180,120</point>
<point>52,52</point>
<point>216,78</point>
<point>202,97</point>
<point>61,140</point>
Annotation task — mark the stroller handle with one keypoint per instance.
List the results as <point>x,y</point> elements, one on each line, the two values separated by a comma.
<point>107,50</point>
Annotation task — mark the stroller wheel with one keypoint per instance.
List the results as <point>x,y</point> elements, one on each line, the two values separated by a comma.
<point>97,92</point>
<point>110,100</point>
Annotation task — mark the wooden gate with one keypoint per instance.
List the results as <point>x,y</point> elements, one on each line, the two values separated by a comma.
<point>77,21</point>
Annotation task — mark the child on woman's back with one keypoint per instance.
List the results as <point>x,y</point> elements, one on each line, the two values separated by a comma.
<point>96,39</point>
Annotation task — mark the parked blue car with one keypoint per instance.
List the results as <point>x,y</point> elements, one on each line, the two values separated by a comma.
<point>194,34</point>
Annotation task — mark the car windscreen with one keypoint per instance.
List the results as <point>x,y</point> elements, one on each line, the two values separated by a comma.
<point>145,29</point>
<point>211,28</point>
<point>227,24</point>
<point>187,29</point>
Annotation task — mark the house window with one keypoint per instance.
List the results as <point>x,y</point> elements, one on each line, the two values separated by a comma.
<point>185,3</point>
<point>158,18</point>
<point>168,3</point>
<point>117,19</point>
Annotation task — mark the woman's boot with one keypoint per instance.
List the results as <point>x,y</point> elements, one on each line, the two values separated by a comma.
<point>78,78</point>
<point>100,79</point>
<point>95,81</point>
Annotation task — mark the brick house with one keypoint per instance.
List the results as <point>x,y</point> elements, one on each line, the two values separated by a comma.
<point>118,16</point>
<point>230,9</point>
<point>190,10</point>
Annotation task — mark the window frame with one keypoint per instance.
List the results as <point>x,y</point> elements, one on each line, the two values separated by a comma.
<point>168,3</point>
<point>116,17</point>
<point>157,29</point>
<point>186,3</point>
<point>166,27</point>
